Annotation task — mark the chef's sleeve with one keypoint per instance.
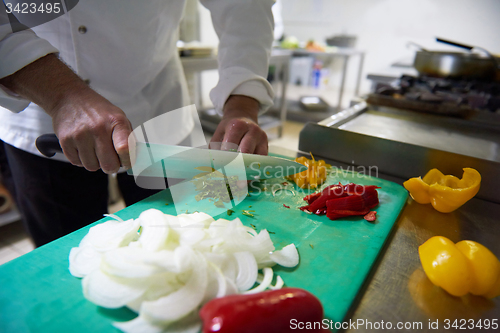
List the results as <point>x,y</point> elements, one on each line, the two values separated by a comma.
<point>245,30</point>
<point>18,50</point>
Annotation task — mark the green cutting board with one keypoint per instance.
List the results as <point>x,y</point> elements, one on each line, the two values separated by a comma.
<point>38,294</point>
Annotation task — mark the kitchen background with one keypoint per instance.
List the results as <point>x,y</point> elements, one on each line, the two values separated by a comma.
<point>382,29</point>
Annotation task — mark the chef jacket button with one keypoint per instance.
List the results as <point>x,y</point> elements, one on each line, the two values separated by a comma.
<point>82,29</point>
<point>87,81</point>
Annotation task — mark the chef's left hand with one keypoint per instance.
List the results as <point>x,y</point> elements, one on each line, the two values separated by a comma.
<point>239,126</point>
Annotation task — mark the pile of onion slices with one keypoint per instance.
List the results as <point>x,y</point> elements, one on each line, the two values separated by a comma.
<point>166,267</point>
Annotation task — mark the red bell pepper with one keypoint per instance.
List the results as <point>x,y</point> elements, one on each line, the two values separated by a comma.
<point>269,311</point>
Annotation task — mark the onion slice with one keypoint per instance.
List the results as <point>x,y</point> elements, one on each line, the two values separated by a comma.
<point>178,304</point>
<point>286,257</point>
<point>101,289</point>
<point>266,282</point>
<point>83,260</point>
<point>247,270</point>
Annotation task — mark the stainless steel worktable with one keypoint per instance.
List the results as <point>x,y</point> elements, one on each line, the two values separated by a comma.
<point>397,290</point>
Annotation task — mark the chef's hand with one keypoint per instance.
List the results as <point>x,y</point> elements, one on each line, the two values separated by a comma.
<point>239,126</point>
<point>93,133</point>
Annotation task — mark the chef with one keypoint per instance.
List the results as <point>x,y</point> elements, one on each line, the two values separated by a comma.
<point>94,74</point>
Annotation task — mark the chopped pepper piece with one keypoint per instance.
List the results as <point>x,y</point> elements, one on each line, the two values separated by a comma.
<point>445,193</point>
<point>337,201</point>
<point>461,268</point>
<point>315,174</point>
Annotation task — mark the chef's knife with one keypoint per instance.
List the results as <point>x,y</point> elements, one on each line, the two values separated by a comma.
<point>157,160</point>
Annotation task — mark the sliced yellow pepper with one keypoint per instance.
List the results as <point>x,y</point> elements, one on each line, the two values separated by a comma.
<point>445,193</point>
<point>314,176</point>
<point>461,268</point>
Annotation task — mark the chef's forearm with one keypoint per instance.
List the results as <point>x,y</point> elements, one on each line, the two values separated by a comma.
<point>47,82</point>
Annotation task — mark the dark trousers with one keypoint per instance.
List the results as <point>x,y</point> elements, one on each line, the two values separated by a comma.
<point>56,198</point>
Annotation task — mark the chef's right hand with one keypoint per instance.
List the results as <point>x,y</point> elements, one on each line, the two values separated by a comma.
<point>93,133</point>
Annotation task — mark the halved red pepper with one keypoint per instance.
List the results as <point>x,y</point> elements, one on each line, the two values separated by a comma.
<point>269,311</point>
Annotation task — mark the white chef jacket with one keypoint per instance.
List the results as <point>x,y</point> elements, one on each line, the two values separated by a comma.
<point>127,52</point>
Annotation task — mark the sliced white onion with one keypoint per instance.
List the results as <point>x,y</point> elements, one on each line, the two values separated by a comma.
<point>279,283</point>
<point>191,237</point>
<point>174,265</point>
<point>247,270</point>
<point>114,217</point>
<point>237,239</point>
<point>83,260</point>
<point>195,220</point>
<point>266,282</point>
<point>217,285</point>
<point>138,324</point>
<point>129,262</point>
<point>111,235</point>
<point>231,287</point>
<point>286,257</point>
<point>155,230</point>
<point>178,304</point>
<point>101,289</point>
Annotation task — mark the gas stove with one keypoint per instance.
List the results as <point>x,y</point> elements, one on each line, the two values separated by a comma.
<point>452,97</point>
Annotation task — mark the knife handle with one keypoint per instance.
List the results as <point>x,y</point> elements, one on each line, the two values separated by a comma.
<point>48,145</point>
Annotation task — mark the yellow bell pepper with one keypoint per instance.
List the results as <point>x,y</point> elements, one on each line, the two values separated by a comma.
<point>445,193</point>
<point>461,268</point>
<point>314,176</point>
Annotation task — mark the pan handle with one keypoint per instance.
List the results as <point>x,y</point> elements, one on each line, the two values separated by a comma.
<point>449,42</point>
<point>468,47</point>
<point>419,47</point>
<point>48,145</point>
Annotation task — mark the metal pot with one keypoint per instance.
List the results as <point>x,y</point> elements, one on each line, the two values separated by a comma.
<point>456,64</point>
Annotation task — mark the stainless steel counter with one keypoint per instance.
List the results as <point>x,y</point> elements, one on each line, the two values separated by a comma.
<point>397,291</point>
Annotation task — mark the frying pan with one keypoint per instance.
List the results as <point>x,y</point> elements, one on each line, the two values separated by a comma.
<point>457,64</point>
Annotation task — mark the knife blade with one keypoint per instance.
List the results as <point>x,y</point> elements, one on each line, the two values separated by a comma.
<point>158,160</point>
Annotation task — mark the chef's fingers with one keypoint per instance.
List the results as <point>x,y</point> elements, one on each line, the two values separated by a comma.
<point>248,143</point>
<point>254,142</point>
<point>235,131</point>
<point>71,154</point>
<point>215,142</point>
<point>106,154</point>
<point>262,147</point>
<point>121,132</point>
<point>87,155</point>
